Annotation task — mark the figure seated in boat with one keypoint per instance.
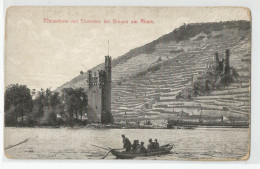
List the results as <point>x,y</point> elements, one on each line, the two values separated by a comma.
<point>156,143</point>
<point>141,149</point>
<point>151,145</point>
<point>126,143</point>
<point>135,145</point>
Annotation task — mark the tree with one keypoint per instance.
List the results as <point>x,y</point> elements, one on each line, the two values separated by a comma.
<point>38,104</point>
<point>75,101</point>
<point>18,102</point>
<point>81,102</point>
<point>69,101</point>
<point>47,104</point>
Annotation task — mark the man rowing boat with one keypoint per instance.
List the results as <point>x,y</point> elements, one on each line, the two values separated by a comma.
<point>126,143</point>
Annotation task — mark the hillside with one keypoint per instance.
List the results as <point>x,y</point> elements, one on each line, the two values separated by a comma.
<point>147,79</point>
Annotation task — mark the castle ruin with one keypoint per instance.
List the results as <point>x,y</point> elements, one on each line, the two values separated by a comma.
<point>223,65</point>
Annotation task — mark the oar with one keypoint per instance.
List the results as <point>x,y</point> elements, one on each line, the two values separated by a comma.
<point>106,154</point>
<point>101,147</point>
<point>109,150</point>
<point>11,146</point>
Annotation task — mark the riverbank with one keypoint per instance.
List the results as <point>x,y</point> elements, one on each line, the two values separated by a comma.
<point>117,126</point>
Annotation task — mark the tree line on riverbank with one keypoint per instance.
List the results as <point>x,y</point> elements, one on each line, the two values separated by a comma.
<point>26,107</point>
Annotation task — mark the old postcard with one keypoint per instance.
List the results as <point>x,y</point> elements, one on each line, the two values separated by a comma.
<point>149,83</point>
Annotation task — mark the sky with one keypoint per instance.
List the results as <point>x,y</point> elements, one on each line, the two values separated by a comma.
<point>44,55</point>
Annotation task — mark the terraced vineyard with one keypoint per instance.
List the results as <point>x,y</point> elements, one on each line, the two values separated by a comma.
<point>152,96</point>
<point>145,84</point>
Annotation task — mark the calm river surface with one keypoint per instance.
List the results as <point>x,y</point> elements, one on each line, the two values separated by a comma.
<point>66,143</point>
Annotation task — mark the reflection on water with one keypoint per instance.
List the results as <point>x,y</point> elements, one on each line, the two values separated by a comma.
<point>66,143</point>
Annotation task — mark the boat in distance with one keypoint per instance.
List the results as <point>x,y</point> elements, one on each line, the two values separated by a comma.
<point>165,149</point>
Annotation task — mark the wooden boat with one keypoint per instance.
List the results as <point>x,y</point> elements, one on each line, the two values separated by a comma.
<point>165,149</point>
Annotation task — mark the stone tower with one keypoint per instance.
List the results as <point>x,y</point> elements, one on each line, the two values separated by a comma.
<point>99,95</point>
<point>216,60</point>
<point>226,66</point>
<point>107,116</point>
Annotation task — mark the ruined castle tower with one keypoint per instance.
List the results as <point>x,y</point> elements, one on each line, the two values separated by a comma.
<point>216,59</point>
<point>99,94</point>
<point>226,66</point>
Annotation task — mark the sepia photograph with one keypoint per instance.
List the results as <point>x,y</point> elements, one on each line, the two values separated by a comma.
<point>139,83</point>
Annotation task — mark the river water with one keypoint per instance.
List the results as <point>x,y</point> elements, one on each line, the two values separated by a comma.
<point>66,143</point>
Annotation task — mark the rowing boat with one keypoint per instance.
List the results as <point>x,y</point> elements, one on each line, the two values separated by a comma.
<point>165,149</point>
